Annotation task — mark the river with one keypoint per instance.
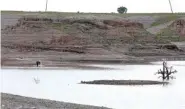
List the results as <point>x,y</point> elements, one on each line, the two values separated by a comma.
<point>62,85</point>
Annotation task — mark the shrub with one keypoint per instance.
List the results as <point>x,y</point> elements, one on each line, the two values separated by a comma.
<point>122,10</point>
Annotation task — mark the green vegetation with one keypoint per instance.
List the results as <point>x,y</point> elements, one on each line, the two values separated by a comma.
<point>169,34</point>
<point>57,26</point>
<point>65,14</point>
<point>165,19</point>
<point>60,26</point>
<point>122,10</point>
<point>174,39</point>
<point>67,28</point>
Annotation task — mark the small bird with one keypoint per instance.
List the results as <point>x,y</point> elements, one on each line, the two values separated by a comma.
<point>37,80</point>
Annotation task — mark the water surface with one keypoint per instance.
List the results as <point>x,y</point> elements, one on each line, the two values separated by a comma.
<point>62,85</point>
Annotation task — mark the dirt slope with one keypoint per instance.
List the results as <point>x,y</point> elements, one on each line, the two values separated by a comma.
<point>156,29</point>
<point>55,40</point>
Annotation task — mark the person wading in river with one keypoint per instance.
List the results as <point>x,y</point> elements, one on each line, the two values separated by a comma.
<point>38,63</point>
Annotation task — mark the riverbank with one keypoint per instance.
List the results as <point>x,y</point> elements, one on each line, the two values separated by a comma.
<point>77,40</point>
<point>9,101</point>
<point>88,64</point>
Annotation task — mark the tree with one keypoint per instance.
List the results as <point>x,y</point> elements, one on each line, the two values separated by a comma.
<point>167,72</point>
<point>122,10</point>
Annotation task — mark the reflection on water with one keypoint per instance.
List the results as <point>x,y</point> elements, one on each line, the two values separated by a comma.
<point>63,85</point>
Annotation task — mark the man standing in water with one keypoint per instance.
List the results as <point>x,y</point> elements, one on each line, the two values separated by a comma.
<point>38,63</point>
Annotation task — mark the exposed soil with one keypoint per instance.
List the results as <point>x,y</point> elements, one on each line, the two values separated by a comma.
<point>56,40</point>
<point>9,101</point>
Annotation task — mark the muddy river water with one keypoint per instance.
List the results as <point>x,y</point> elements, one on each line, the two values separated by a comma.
<point>62,85</point>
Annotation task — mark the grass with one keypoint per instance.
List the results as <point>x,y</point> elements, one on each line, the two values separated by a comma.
<point>67,28</point>
<point>167,32</point>
<point>174,39</point>
<point>50,13</point>
<point>60,26</point>
<point>165,19</point>
<point>57,26</point>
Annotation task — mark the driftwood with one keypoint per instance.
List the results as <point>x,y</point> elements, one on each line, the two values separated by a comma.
<point>166,72</point>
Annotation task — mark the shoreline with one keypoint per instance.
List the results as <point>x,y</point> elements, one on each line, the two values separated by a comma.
<point>10,101</point>
<point>87,64</point>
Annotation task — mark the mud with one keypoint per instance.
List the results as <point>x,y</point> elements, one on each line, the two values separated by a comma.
<point>124,82</point>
